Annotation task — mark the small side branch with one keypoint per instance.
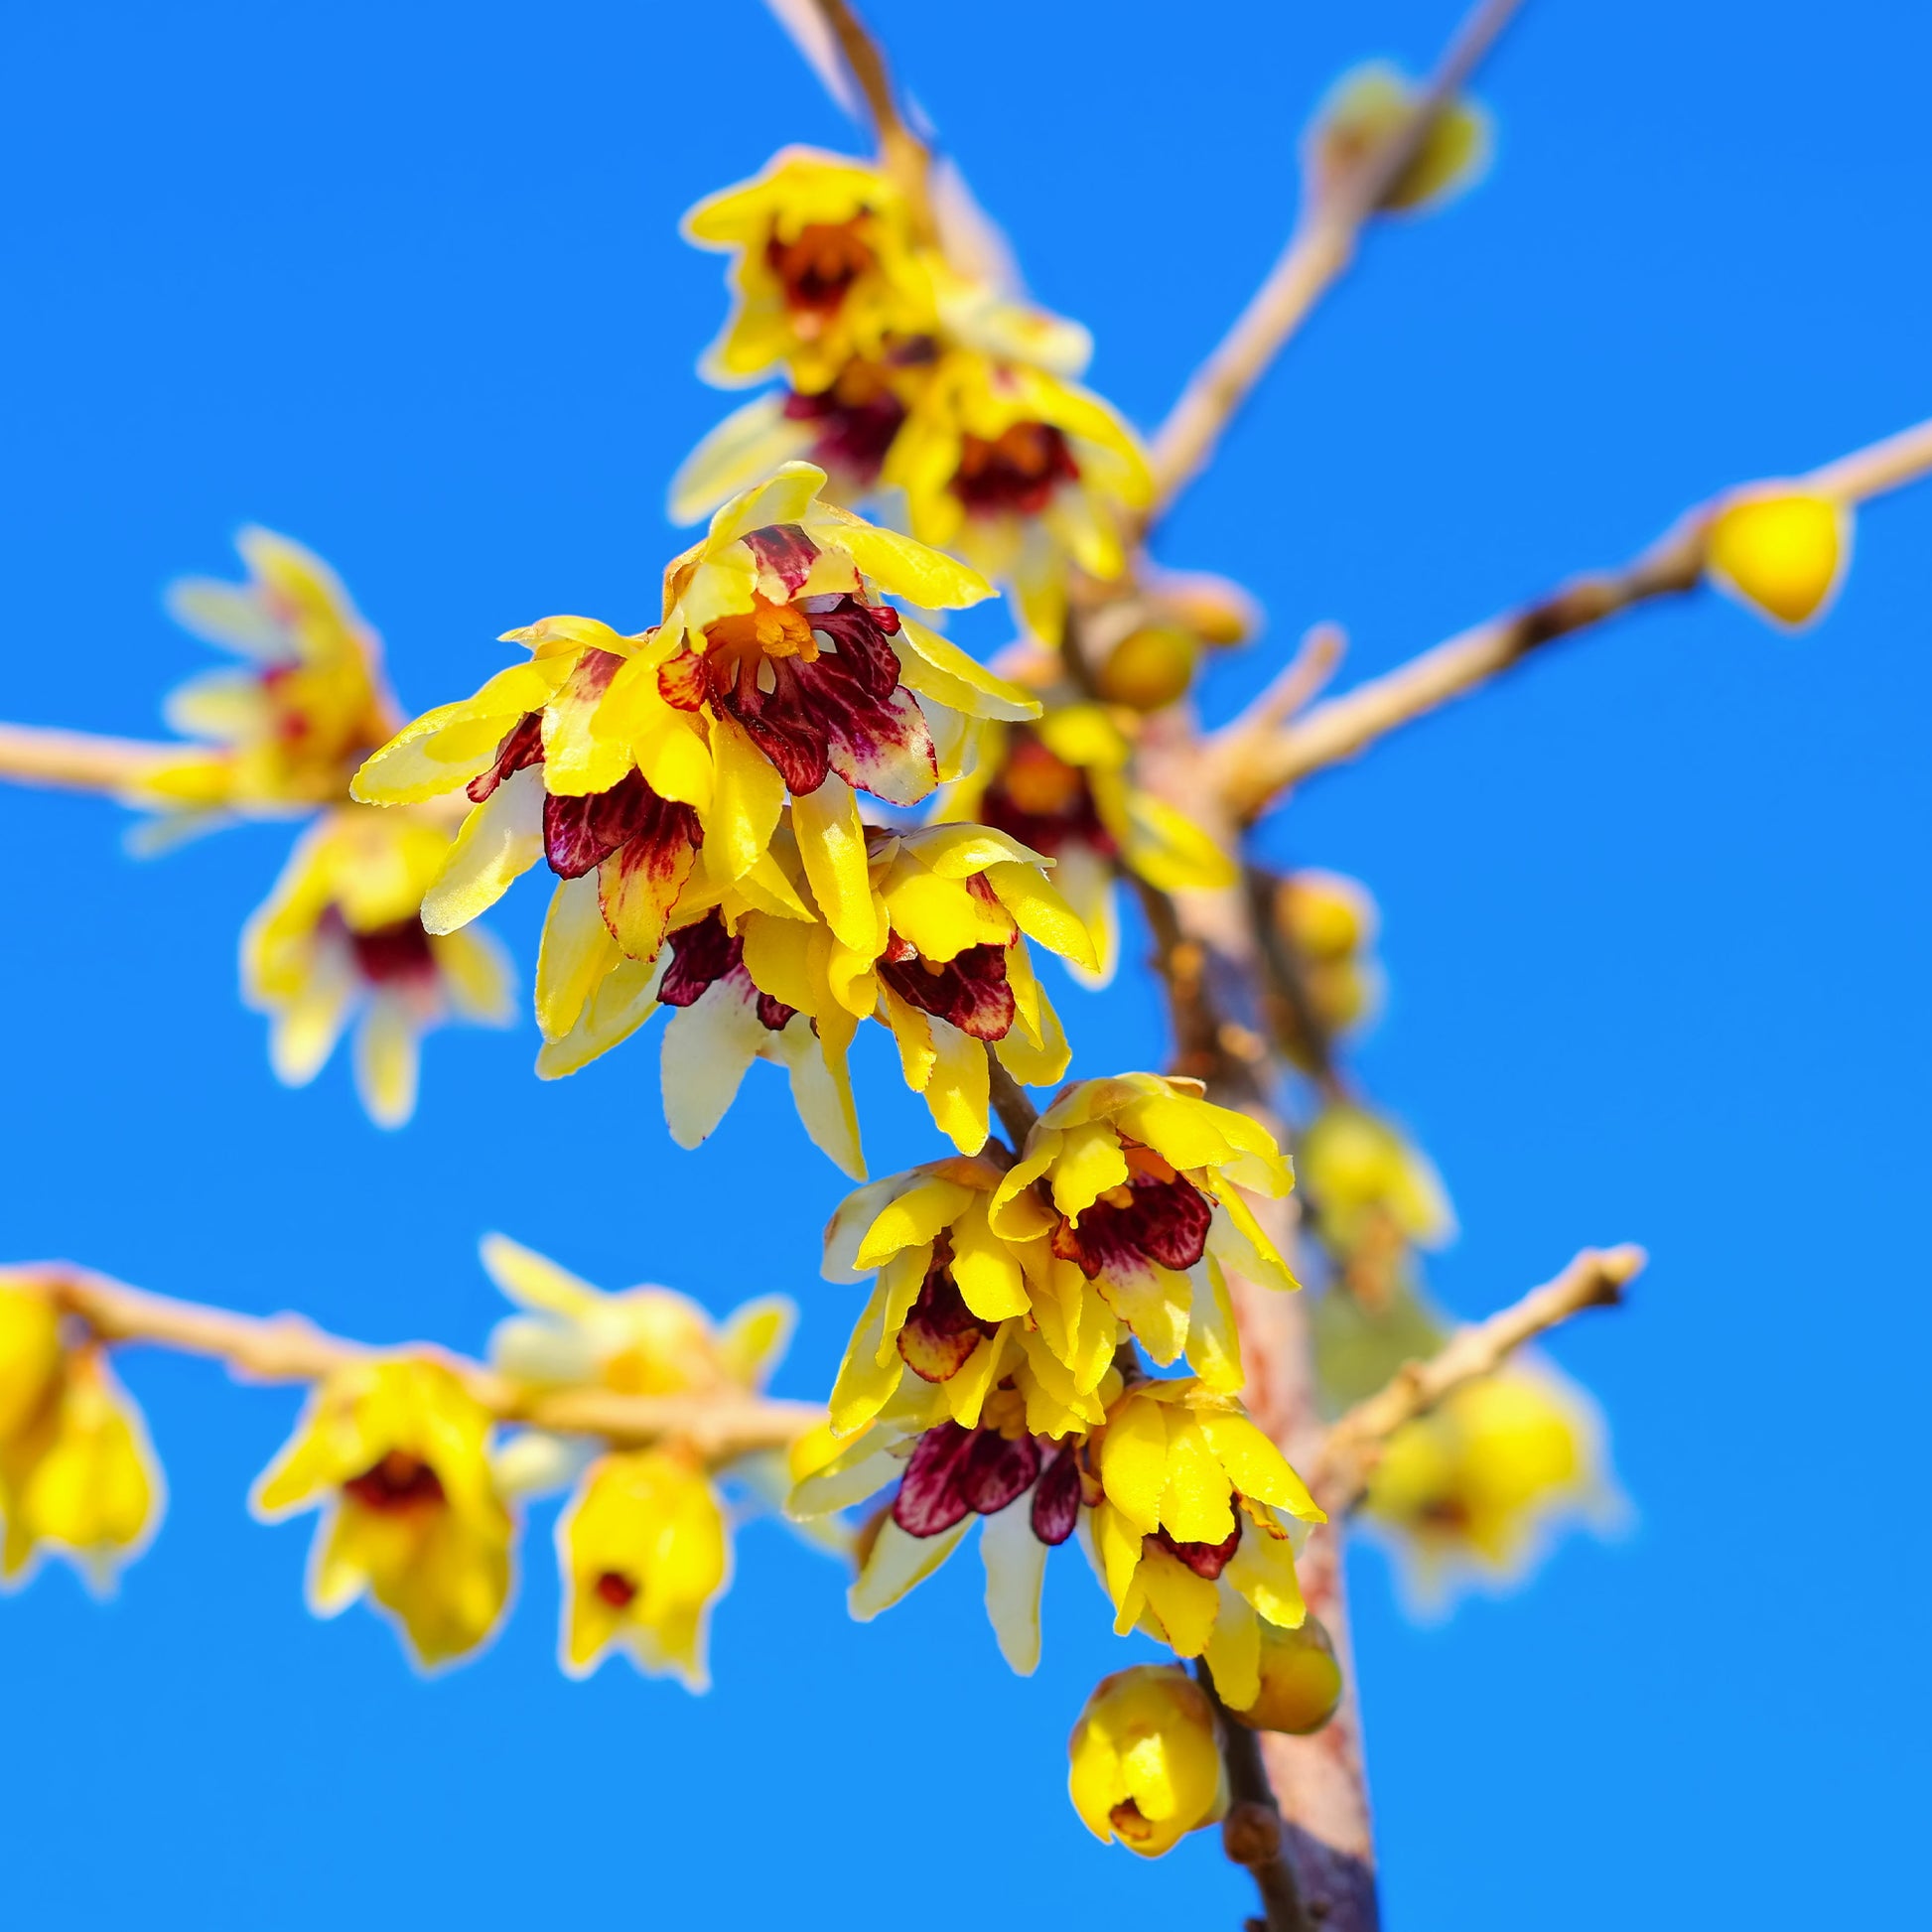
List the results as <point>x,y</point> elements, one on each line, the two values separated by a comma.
<point>36,755</point>
<point>1318,253</point>
<point>1251,1833</point>
<point>1010,1101</point>
<point>719,1423</point>
<point>1595,1279</point>
<point>902,152</point>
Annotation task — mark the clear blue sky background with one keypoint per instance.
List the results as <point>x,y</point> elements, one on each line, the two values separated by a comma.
<point>404,282</point>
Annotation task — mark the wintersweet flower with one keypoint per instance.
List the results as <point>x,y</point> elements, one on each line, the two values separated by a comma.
<point>76,1473</point>
<point>1328,922</point>
<point>1064,786</point>
<point>1472,1493</point>
<point>1187,1533</point>
<point>645,1550</point>
<point>1366,1181</point>
<point>1781,551</point>
<point>643,1341</point>
<point>1135,1183</point>
<point>1146,1764</point>
<point>286,733</point>
<point>825,268</point>
<point>1024,1486</point>
<point>1026,475</point>
<point>1301,1680</point>
<point>340,939</point>
<point>396,1455</point>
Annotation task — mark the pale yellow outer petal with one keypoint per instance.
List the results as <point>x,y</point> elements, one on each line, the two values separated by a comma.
<point>386,1059</point>
<point>576,954</point>
<point>896,1563</point>
<point>708,1049</point>
<point>1015,1569</point>
<point>501,839</point>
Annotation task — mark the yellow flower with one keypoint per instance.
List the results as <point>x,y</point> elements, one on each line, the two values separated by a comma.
<point>1365,107</point>
<point>1135,1183</point>
<point>1063,787</point>
<point>76,1473</point>
<point>1365,1180</point>
<point>1473,1491</point>
<point>341,936</point>
<point>824,269</point>
<point>643,1341</point>
<point>1187,1533</point>
<point>645,1550</point>
<point>1328,924</point>
<point>1024,475</point>
<point>1781,551</point>
<point>941,962</point>
<point>1301,1680</point>
<point>1146,1762</point>
<point>286,733</point>
<point>1018,1469</point>
<point>395,1453</point>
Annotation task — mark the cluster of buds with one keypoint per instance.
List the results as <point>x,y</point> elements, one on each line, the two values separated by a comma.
<point>77,1474</point>
<point>907,381</point>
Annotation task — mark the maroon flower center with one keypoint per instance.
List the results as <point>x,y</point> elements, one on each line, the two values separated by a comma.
<point>857,420</point>
<point>970,990</point>
<point>616,1588</point>
<point>954,1471</point>
<point>702,954</point>
<point>1045,802</point>
<point>1204,1559</point>
<point>1157,1216</point>
<point>1017,471</point>
<point>398,954</point>
<point>819,264</point>
<point>579,834</point>
<point>522,746</point>
<point>941,1331</point>
<point>397,1484</point>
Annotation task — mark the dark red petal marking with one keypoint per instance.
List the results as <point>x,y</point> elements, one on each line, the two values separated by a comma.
<point>996,1471</point>
<point>616,1588</point>
<point>929,1498</point>
<point>853,437</point>
<point>522,745</point>
<point>859,632</point>
<point>774,1015</point>
<point>1056,1502</point>
<point>579,834</point>
<point>1017,470</point>
<point>940,1330</point>
<point>819,263</point>
<point>1042,801</point>
<point>970,991</point>
<point>399,1482</point>
<point>1204,1559</point>
<point>1168,1222</point>
<point>701,954</point>
<point>786,552</point>
<point>397,954</point>
<point>681,680</point>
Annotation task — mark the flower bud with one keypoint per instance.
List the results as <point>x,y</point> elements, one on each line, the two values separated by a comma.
<point>1366,108</point>
<point>30,1357</point>
<point>1301,1680</point>
<point>1781,553</point>
<point>1146,1761</point>
<point>1324,915</point>
<point>1150,667</point>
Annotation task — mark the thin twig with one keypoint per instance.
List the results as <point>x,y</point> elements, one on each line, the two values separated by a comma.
<point>1262,765</point>
<point>38,755</point>
<point>719,1423</point>
<point>899,149</point>
<point>1319,251</point>
<point>1595,1279</point>
<point>1017,1112</point>
<point>1251,1833</point>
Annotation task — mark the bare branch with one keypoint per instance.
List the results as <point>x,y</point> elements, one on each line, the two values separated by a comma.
<point>1251,1833</point>
<point>1263,765</point>
<point>1595,1280</point>
<point>719,1423</point>
<point>1318,252</point>
<point>899,149</point>
<point>1010,1101</point>
<point>37,754</point>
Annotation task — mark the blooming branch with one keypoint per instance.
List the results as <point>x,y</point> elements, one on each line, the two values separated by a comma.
<point>1260,766</point>
<point>1595,1279</point>
<point>1318,253</point>
<point>37,754</point>
<point>719,1425</point>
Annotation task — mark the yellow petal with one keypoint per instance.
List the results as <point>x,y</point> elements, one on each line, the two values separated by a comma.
<point>832,844</point>
<point>1784,554</point>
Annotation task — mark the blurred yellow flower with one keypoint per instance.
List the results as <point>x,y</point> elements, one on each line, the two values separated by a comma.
<point>1063,787</point>
<point>1474,1491</point>
<point>76,1473</point>
<point>1365,107</point>
<point>341,938</point>
<point>285,734</point>
<point>1328,924</point>
<point>1362,1177</point>
<point>1190,1532</point>
<point>1146,1762</point>
<point>395,1453</point>
<point>1780,551</point>
<point>824,269</point>
<point>645,1550</point>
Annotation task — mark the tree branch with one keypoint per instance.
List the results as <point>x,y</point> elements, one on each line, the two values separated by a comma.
<point>1260,766</point>
<point>1595,1280</point>
<point>1010,1101</point>
<point>899,149</point>
<point>720,1425</point>
<point>37,754</point>
<point>1319,251</point>
<point>1251,1833</point>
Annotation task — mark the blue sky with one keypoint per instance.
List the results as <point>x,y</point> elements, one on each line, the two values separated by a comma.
<point>405,284</point>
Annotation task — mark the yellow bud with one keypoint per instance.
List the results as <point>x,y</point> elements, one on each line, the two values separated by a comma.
<point>1301,1680</point>
<point>1145,1761</point>
<point>1324,915</point>
<point>1366,108</point>
<point>30,1357</point>
<point>1781,553</point>
<point>1150,668</point>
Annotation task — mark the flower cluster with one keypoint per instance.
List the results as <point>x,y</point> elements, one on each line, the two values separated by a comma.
<point>910,382</point>
<point>77,1474</point>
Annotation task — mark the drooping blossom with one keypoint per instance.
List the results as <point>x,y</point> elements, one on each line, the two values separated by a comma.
<point>1145,1765</point>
